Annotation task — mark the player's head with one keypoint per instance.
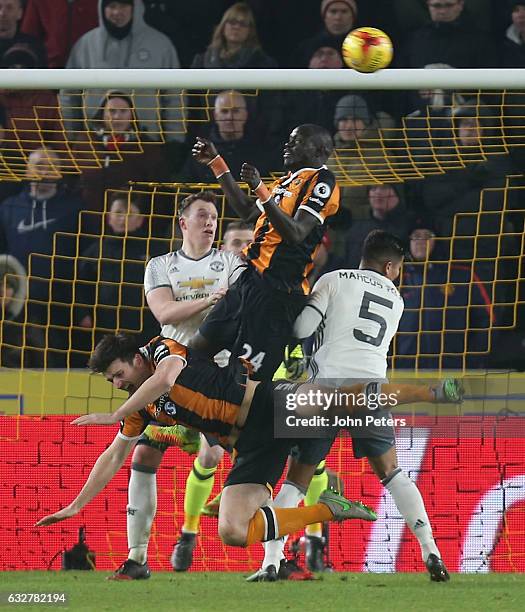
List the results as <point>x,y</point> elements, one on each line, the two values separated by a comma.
<point>384,253</point>
<point>237,236</point>
<point>118,358</point>
<point>198,219</point>
<point>308,146</point>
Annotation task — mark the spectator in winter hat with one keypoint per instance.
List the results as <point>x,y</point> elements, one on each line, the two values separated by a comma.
<point>339,17</point>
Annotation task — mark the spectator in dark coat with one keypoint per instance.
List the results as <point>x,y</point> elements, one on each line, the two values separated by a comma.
<point>118,150</point>
<point>387,212</point>
<point>514,43</point>
<point>230,135</point>
<point>339,17</point>
<point>476,142</point>
<point>448,311</point>
<point>30,223</point>
<point>11,12</point>
<point>450,38</point>
<point>110,291</point>
<point>29,220</point>
<point>59,23</point>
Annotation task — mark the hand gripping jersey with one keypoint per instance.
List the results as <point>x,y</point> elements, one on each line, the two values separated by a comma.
<point>361,310</point>
<point>287,265</point>
<point>191,279</point>
<point>204,396</point>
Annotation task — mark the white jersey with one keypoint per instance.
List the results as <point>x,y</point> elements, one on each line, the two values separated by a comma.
<point>360,312</point>
<point>191,279</point>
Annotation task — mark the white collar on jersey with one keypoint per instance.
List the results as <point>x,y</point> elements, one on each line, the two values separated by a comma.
<point>292,176</point>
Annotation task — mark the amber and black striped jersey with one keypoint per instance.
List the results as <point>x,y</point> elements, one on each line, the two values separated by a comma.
<point>204,396</point>
<point>286,265</point>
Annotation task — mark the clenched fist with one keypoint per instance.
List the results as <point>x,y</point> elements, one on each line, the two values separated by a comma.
<point>204,150</point>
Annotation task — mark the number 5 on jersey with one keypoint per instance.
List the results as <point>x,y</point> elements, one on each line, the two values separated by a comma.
<point>364,313</point>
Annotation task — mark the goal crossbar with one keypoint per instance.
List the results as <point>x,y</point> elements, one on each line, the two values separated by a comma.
<point>482,78</point>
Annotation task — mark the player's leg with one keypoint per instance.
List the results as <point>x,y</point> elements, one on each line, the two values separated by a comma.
<point>315,545</point>
<point>244,517</point>
<point>199,485</point>
<point>265,328</point>
<point>300,479</point>
<point>141,508</point>
<point>409,502</point>
<point>142,492</point>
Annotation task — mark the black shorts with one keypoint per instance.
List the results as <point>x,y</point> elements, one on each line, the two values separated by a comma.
<point>259,458</point>
<point>254,321</point>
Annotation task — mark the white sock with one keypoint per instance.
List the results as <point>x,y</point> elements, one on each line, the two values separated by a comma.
<point>410,504</point>
<point>288,497</point>
<point>142,505</point>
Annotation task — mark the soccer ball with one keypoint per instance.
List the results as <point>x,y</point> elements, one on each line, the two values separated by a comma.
<point>367,50</point>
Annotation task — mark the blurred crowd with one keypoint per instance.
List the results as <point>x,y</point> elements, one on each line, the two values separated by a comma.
<point>457,287</point>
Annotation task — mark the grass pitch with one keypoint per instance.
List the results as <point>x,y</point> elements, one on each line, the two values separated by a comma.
<point>228,592</point>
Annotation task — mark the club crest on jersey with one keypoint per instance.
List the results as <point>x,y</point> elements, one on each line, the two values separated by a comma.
<point>164,404</point>
<point>197,283</point>
<point>170,408</point>
<point>217,266</point>
<point>322,190</point>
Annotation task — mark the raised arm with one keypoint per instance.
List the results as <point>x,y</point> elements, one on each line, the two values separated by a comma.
<point>106,466</point>
<point>205,152</point>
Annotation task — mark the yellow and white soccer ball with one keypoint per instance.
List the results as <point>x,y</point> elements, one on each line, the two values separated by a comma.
<point>367,50</point>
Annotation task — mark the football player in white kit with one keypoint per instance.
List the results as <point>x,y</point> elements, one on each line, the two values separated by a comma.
<point>181,287</point>
<point>355,314</point>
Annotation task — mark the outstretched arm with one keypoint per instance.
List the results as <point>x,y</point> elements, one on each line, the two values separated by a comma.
<point>106,466</point>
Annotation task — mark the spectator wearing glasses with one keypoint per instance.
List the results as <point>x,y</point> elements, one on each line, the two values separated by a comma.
<point>450,37</point>
<point>235,43</point>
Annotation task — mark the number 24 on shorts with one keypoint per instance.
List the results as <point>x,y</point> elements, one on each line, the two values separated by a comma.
<point>256,360</point>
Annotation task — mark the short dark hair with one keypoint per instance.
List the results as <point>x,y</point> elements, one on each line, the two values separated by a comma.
<point>238,225</point>
<point>380,247</point>
<point>131,197</point>
<point>113,346</point>
<point>206,195</point>
<point>320,136</point>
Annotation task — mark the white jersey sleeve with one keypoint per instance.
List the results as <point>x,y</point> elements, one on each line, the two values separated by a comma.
<point>315,310</point>
<point>191,279</point>
<point>361,318</point>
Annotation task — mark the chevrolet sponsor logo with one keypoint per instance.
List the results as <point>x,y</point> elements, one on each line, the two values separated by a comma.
<point>197,283</point>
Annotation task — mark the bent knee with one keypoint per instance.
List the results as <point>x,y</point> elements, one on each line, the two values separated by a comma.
<point>232,534</point>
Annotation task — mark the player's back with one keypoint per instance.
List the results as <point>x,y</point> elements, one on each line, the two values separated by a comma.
<point>362,311</point>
